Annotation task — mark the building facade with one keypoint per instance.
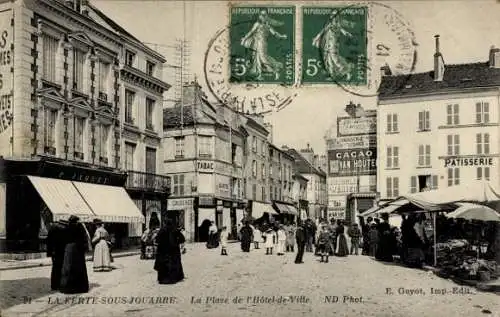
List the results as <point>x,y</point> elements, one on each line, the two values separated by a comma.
<point>64,117</point>
<point>352,163</point>
<point>299,194</point>
<point>451,115</point>
<point>204,156</point>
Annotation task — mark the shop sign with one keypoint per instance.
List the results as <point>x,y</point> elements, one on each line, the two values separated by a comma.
<point>473,161</point>
<point>205,166</point>
<point>336,213</point>
<point>352,142</point>
<point>6,71</point>
<point>206,201</point>
<point>352,162</point>
<point>175,204</point>
<point>337,202</point>
<point>342,185</point>
<point>356,126</point>
<point>223,168</point>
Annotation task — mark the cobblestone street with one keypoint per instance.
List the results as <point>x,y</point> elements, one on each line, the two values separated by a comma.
<point>362,286</point>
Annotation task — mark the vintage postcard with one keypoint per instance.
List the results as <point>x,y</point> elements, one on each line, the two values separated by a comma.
<point>249,158</point>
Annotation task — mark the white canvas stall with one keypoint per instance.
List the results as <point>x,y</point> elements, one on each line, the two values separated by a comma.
<point>205,214</point>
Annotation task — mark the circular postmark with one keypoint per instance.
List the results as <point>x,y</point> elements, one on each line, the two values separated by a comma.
<point>389,47</point>
<point>239,75</point>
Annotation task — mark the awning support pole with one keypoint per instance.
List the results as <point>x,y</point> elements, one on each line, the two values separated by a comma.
<point>435,238</point>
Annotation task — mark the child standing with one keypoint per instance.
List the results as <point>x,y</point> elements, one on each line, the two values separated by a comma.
<point>324,244</point>
<point>281,235</point>
<point>257,237</point>
<point>224,237</point>
<point>355,233</point>
<point>269,236</point>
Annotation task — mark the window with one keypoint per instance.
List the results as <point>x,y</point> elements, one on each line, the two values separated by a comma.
<point>103,140</point>
<point>50,45</point>
<point>50,129</point>
<point>264,198</point>
<point>392,123</point>
<point>452,117</point>
<point>150,160</point>
<point>413,184</point>
<point>79,134</point>
<point>129,106</point>
<point>254,192</point>
<point>103,80</point>
<point>263,171</point>
<point>392,184</point>
<point>392,157</point>
<point>129,156</point>
<point>263,148</point>
<point>271,197</point>
<point>276,193</point>
<point>453,176</point>
<point>483,143</point>
<point>234,152</point>
<point>129,58</point>
<point>178,186</point>
<point>78,61</point>
<point>424,155</point>
<point>205,146</point>
<point>150,110</point>
<point>271,167</point>
<point>424,121</point>
<point>254,168</point>
<point>254,144</point>
<point>482,112</point>
<point>483,173</point>
<point>150,68</point>
<point>453,144</point>
<point>179,146</point>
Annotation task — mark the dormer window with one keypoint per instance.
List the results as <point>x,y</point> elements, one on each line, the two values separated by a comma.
<point>129,58</point>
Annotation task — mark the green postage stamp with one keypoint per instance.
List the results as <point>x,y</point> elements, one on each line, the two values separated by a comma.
<point>334,45</point>
<point>262,45</point>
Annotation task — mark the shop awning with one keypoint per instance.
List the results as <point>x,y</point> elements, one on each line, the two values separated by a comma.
<point>109,203</point>
<point>62,198</point>
<point>293,210</point>
<point>258,209</point>
<point>282,208</point>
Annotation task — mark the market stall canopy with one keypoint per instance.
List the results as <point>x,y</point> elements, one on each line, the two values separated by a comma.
<point>258,209</point>
<point>473,191</point>
<point>474,212</point>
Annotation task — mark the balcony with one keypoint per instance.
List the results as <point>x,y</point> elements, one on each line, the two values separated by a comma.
<point>147,181</point>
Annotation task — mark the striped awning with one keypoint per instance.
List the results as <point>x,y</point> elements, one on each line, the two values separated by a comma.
<point>258,209</point>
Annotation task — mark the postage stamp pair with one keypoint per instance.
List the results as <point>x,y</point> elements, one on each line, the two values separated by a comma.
<point>334,45</point>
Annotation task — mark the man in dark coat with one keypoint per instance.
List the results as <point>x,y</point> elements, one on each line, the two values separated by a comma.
<point>56,242</point>
<point>300,236</point>
<point>168,256</point>
<point>246,237</point>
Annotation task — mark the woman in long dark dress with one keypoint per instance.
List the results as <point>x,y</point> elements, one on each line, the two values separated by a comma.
<point>246,237</point>
<point>385,241</point>
<point>168,254</point>
<point>342,248</point>
<point>74,278</point>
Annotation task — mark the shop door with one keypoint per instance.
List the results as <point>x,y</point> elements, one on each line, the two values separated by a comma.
<point>177,217</point>
<point>234,224</point>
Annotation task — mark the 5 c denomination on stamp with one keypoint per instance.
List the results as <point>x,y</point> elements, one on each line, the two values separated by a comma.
<point>334,45</point>
<point>262,45</point>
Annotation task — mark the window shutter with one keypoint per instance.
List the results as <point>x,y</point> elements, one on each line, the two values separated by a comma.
<point>389,125</point>
<point>428,155</point>
<point>434,182</point>
<point>478,112</point>
<point>456,115</point>
<point>486,112</point>
<point>395,185</point>
<point>449,115</point>
<point>486,142</point>
<point>457,176</point>
<point>389,157</point>
<point>389,187</point>
<point>427,120</point>
<point>479,173</point>
<point>457,144</point>
<point>394,123</point>
<point>413,184</point>
<point>420,121</point>
<point>420,155</point>
<point>395,161</point>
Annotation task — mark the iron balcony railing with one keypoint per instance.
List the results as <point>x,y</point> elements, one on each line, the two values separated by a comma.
<point>147,181</point>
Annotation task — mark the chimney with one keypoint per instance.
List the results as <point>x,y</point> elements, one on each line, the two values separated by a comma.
<point>189,92</point>
<point>494,57</point>
<point>438,62</point>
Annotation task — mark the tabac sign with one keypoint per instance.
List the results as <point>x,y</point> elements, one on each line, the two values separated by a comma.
<point>352,162</point>
<point>6,73</point>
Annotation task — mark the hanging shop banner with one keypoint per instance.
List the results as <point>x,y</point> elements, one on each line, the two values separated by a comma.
<point>352,162</point>
<point>6,81</point>
<point>347,126</point>
<point>352,142</point>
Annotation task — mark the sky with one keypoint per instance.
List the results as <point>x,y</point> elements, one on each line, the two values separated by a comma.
<point>467,30</point>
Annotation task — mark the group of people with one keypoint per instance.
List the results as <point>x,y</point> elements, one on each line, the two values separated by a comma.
<point>67,243</point>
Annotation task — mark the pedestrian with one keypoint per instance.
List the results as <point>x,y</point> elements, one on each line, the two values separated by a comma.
<point>74,278</point>
<point>224,237</point>
<point>246,237</point>
<point>324,243</point>
<point>385,240</point>
<point>373,238</point>
<point>365,230</point>
<point>342,248</point>
<point>257,237</point>
<point>300,236</point>
<point>56,242</point>
<point>269,243</point>
<point>168,255</point>
<point>354,233</point>
<point>102,255</point>
<point>310,233</point>
<point>290,238</point>
<point>281,237</point>
<point>144,242</point>
<point>212,236</point>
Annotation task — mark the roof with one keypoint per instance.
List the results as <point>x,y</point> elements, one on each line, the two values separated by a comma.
<point>300,176</point>
<point>172,117</point>
<point>302,165</point>
<point>456,77</point>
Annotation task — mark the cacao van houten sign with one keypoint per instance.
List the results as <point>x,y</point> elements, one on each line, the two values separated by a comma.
<point>352,162</point>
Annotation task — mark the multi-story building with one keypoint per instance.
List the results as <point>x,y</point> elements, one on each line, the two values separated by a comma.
<point>65,72</point>
<point>204,156</point>
<point>281,182</point>
<point>439,128</point>
<point>299,193</point>
<point>316,182</point>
